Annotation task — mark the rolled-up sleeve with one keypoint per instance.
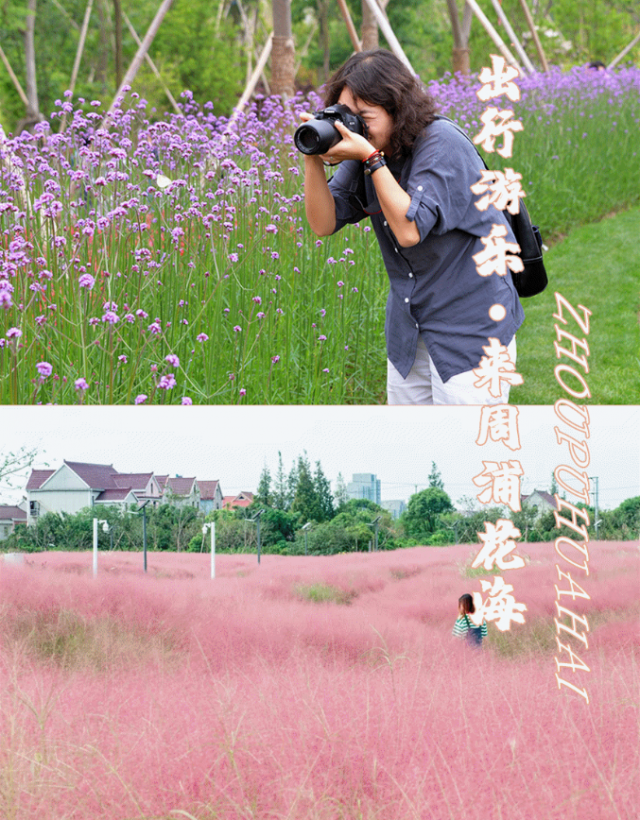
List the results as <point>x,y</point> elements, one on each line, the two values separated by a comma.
<point>343,185</point>
<point>439,182</point>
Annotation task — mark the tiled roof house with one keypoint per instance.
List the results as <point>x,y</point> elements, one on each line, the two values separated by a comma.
<point>210,496</point>
<point>76,485</point>
<point>541,499</point>
<point>9,517</point>
<point>181,492</point>
<point>243,499</point>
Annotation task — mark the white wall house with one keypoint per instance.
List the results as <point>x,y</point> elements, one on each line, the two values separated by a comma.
<point>76,485</point>
<point>541,499</point>
<point>181,492</point>
<point>210,496</point>
<point>10,516</point>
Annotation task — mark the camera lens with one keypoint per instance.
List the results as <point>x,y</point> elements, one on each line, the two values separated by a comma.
<point>316,137</point>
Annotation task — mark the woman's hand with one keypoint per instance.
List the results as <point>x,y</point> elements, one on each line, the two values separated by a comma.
<point>351,146</point>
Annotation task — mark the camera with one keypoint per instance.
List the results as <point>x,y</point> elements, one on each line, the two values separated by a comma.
<point>318,135</point>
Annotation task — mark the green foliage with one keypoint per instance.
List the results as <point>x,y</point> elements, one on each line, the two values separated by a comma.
<point>572,32</point>
<point>623,523</point>
<point>207,59</point>
<point>420,518</point>
<point>435,477</point>
<point>281,495</point>
<point>236,530</point>
<point>264,493</point>
<point>324,498</point>
<point>192,51</point>
<point>323,593</point>
<point>350,530</point>
<point>305,502</point>
<point>168,528</point>
<point>582,267</point>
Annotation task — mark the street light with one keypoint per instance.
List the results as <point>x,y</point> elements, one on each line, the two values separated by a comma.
<point>105,528</point>
<point>375,524</point>
<point>211,525</point>
<point>256,518</point>
<point>596,520</point>
<point>306,529</point>
<point>143,511</point>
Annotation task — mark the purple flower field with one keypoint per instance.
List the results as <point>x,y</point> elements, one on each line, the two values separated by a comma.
<point>325,687</point>
<point>153,262</point>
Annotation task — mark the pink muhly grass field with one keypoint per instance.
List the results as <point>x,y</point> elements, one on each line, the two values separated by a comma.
<point>320,687</point>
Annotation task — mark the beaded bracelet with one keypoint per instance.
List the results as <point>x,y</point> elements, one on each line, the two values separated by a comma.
<point>372,159</point>
<point>379,164</point>
<point>371,156</point>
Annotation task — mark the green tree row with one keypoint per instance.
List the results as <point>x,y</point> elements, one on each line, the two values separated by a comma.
<point>357,525</point>
<point>210,48</point>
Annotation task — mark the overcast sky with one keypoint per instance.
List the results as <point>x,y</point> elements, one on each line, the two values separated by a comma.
<point>398,444</point>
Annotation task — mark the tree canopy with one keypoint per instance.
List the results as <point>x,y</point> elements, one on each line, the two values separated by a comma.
<point>210,49</point>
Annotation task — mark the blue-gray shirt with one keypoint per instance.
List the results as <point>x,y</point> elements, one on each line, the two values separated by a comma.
<point>436,291</point>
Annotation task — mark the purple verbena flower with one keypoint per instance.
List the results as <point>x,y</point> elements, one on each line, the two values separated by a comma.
<point>167,382</point>
<point>44,369</point>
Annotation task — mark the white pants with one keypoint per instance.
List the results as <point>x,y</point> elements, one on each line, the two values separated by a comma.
<point>423,385</point>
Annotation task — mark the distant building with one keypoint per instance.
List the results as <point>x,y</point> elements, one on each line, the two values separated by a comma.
<point>365,485</point>
<point>243,499</point>
<point>76,485</point>
<point>541,499</point>
<point>396,508</point>
<point>181,492</point>
<point>210,496</point>
<point>9,517</point>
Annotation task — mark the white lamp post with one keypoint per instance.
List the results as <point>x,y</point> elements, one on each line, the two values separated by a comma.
<point>211,525</point>
<point>105,528</point>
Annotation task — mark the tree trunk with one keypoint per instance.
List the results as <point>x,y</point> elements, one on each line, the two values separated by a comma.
<point>460,60</point>
<point>33,109</point>
<point>130,76</point>
<point>117,13</point>
<point>283,54</point>
<point>370,39</point>
<point>323,22</point>
<point>105,44</point>
<point>460,53</point>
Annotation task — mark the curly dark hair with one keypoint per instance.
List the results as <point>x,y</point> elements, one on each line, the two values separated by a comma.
<point>378,77</point>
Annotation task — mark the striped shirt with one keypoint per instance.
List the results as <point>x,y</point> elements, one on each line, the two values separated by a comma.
<point>464,625</point>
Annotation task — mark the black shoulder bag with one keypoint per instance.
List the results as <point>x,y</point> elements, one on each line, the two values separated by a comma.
<point>533,278</point>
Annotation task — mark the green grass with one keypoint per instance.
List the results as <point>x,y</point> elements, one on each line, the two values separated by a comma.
<point>215,291</point>
<point>322,593</point>
<point>597,266</point>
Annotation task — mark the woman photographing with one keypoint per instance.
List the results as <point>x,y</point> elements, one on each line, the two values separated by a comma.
<point>411,172</point>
